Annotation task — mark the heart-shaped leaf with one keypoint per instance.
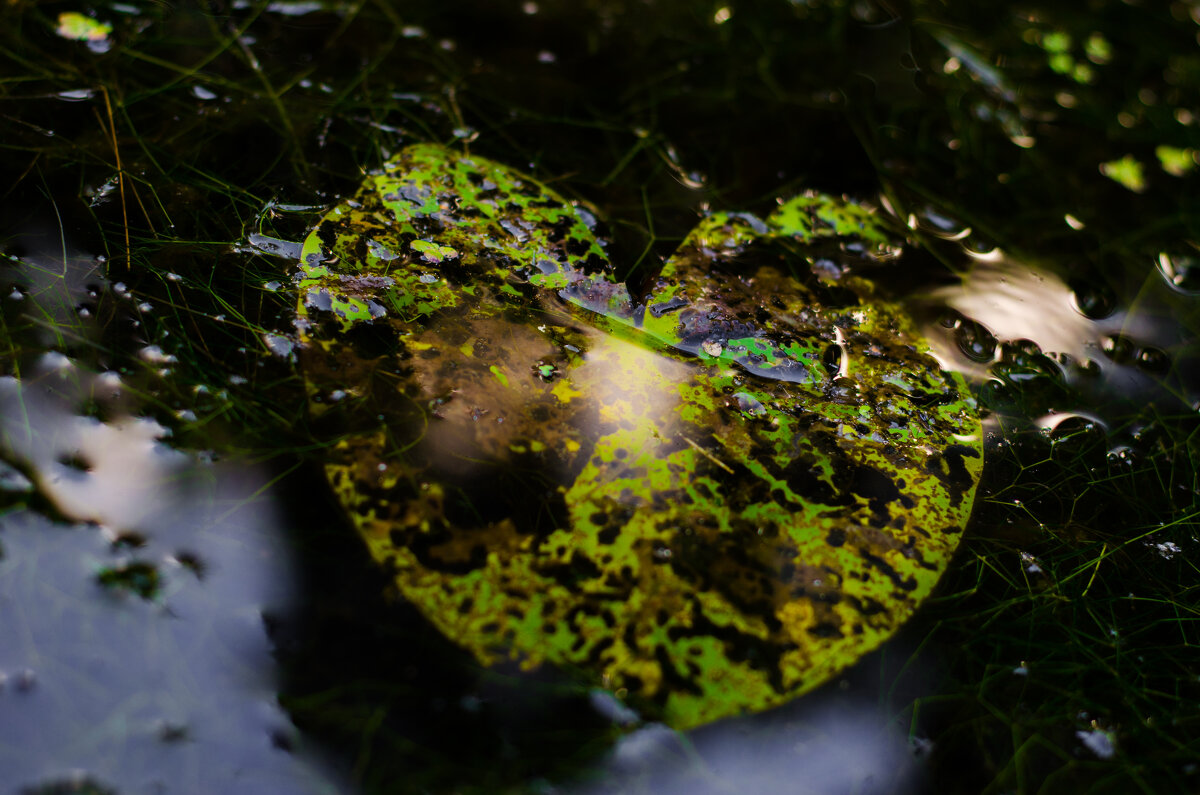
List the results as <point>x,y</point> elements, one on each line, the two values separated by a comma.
<point>709,499</point>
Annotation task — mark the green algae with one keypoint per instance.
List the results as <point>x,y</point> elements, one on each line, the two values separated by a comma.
<point>708,499</point>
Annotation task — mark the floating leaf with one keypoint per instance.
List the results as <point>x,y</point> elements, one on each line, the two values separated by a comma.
<point>708,500</point>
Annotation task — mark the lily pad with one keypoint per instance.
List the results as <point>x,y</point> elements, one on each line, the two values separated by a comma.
<point>708,499</point>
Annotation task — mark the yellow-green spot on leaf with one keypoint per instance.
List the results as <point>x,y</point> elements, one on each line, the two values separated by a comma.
<point>432,252</point>
<point>677,500</point>
<point>79,27</point>
<point>1175,161</point>
<point>1127,171</point>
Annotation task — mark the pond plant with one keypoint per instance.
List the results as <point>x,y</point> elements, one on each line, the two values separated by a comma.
<point>653,350</point>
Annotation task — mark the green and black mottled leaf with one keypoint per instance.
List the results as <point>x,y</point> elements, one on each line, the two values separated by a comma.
<point>709,499</point>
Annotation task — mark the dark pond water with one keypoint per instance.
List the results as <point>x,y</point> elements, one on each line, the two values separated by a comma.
<point>184,607</point>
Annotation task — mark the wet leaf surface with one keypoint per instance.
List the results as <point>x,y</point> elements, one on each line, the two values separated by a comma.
<point>709,499</point>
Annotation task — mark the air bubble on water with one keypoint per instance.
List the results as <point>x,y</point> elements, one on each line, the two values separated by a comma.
<point>749,404</point>
<point>202,93</point>
<point>1061,425</point>
<point>1153,360</point>
<point>1121,454</point>
<point>1119,348</point>
<point>1181,272</point>
<point>1093,301</point>
<point>547,57</point>
<point>272,286</point>
<point>1088,368</point>
<point>75,94</point>
<point>975,341</point>
<point>689,179</point>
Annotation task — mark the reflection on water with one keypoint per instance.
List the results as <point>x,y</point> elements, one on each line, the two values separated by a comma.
<point>830,742</point>
<point>1078,335</point>
<point>134,646</point>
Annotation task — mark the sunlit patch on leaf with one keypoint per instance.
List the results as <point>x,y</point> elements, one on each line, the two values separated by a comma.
<point>708,499</point>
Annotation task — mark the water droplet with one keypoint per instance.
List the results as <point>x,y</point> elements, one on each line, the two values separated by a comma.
<point>1153,360</point>
<point>975,341</point>
<point>831,358</point>
<point>1119,348</point>
<point>749,404</point>
<point>1181,272</point>
<point>1094,301</point>
<point>75,95</point>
